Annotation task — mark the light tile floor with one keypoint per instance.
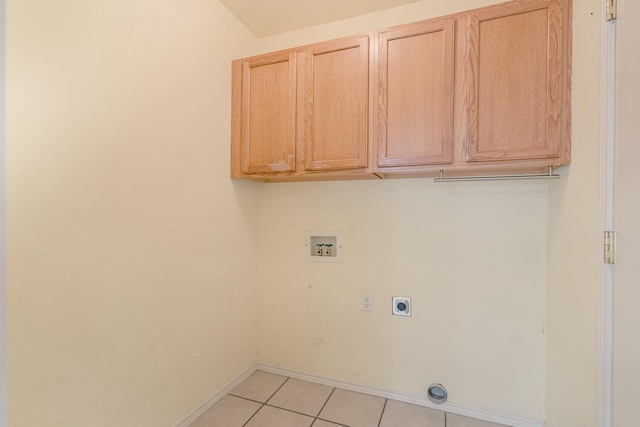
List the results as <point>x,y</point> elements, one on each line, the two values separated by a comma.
<point>269,400</point>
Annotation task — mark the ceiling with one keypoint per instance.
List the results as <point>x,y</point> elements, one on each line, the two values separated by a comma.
<point>266,18</point>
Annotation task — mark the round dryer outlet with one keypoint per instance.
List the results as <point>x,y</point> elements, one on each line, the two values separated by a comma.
<point>401,306</point>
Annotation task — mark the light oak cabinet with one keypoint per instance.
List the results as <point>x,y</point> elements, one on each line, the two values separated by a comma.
<point>516,82</point>
<point>414,102</point>
<point>266,126</point>
<point>478,92</point>
<point>503,104</point>
<point>336,101</point>
<point>302,113</point>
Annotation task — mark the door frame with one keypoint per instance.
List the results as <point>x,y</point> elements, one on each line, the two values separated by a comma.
<point>3,216</point>
<point>607,220</point>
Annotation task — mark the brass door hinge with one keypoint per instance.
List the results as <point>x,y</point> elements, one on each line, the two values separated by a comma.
<point>612,10</point>
<point>609,247</point>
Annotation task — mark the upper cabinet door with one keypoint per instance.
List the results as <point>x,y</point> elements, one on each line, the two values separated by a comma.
<point>268,124</point>
<point>336,98</point>
<point>515,81</point>
<point>414,109</point>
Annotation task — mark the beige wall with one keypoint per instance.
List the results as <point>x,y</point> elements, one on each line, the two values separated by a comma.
<point>127,242</point>
<point>574,252</point>
<point>412,12</point>
<point>473,256</point>
<point>130,252</point>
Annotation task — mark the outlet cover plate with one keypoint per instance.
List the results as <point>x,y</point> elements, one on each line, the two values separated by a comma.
<point>366,302</point>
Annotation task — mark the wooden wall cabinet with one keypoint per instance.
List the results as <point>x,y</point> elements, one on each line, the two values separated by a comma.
<point>336,102</point>
<point>265,126</point>
<point>302,113</point>
<point>504,106</point>
<point>414,108</point>
<point>516,82</point>
<point>479,92</point>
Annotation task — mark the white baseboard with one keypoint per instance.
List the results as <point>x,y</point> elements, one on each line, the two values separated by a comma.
<point>189,419</point>
<point>454,408</point>
<point>500,418</point>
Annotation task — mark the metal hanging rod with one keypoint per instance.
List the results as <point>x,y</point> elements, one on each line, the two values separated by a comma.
<point>548,175</point>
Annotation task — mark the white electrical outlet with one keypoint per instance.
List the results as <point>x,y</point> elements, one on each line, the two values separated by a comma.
<point>401,306</point>
<point>366,302</point>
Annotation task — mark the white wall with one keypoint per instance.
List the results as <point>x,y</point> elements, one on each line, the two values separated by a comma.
<point>127,242</point>
<point>472,256</point>
<point>412,12</point>
<point>574,252</point>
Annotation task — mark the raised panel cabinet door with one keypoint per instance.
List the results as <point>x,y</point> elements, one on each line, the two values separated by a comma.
<point>269,113</point>
<point>336,98</point>
<point>516,81</point>
<point>414,111</point>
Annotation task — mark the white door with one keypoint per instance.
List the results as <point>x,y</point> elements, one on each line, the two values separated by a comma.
<point>626,320</point>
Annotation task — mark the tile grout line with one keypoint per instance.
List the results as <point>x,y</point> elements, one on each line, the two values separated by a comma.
<point>263,404</point>
<point>332,422</point>
<point>277,407</point>
<point>323,406</point>
<point>285,409</point>
<point>254,414</point>
<point>274,393</point>
<point>326,401</point>
<point>290,410</point>
<point>382,413</point>
<point>246,398</point>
